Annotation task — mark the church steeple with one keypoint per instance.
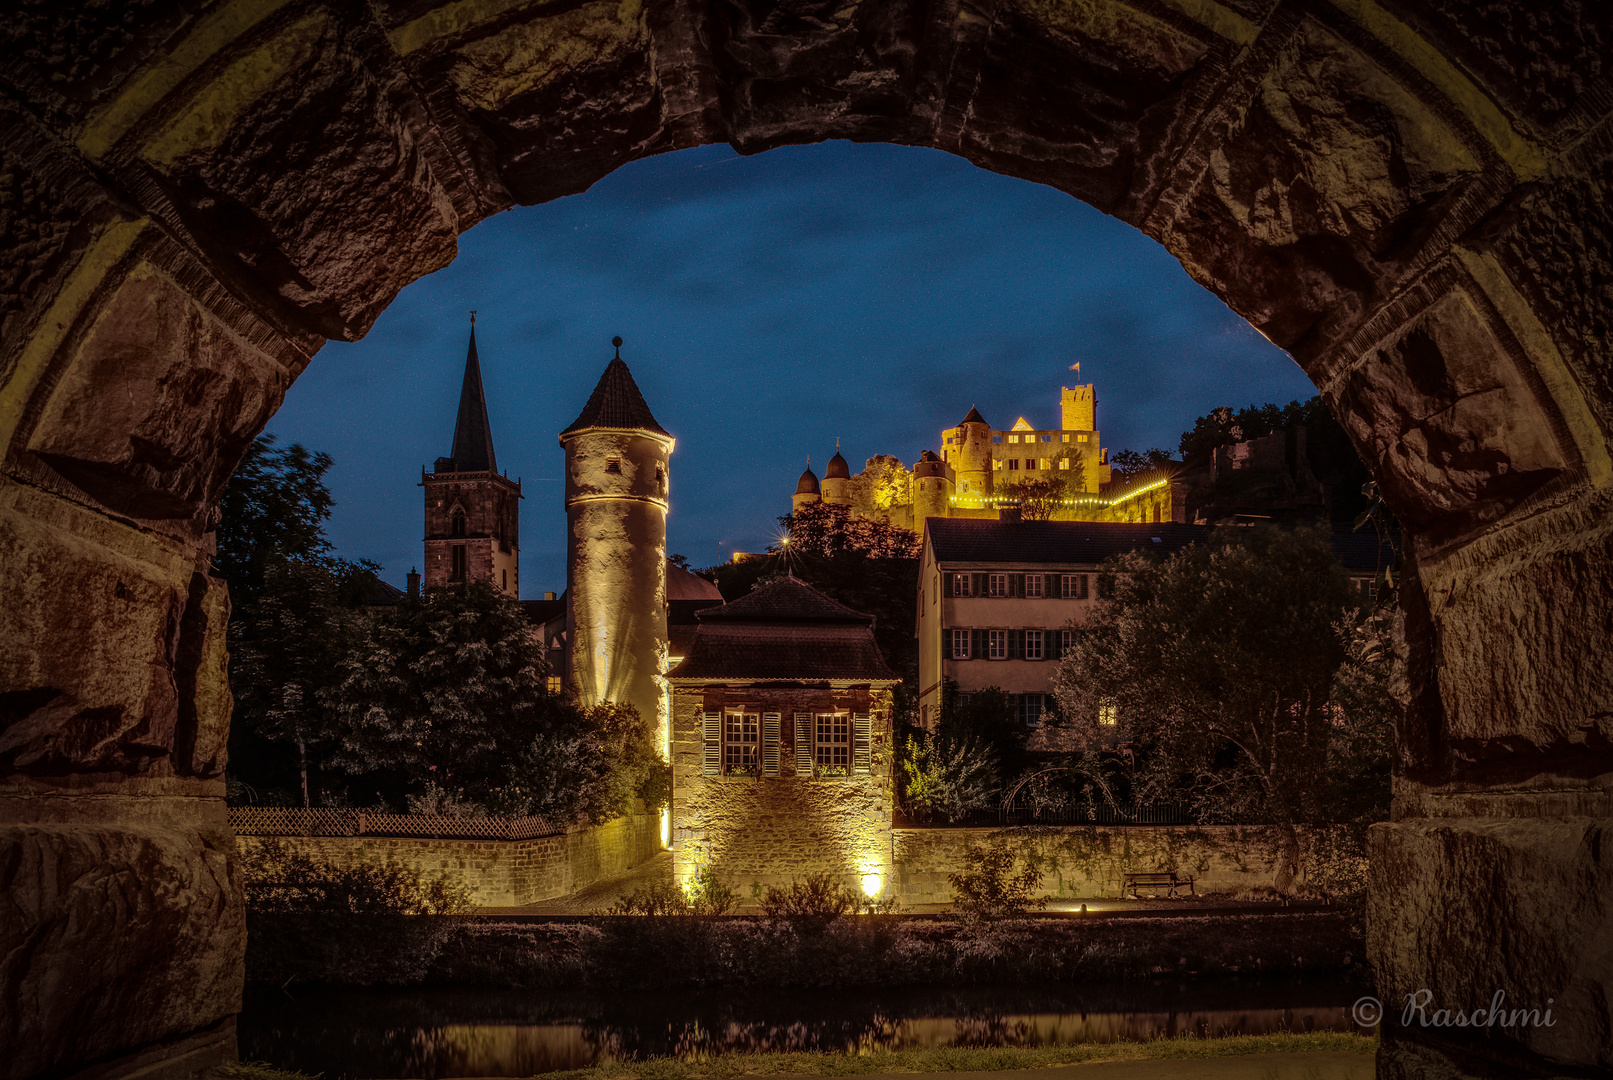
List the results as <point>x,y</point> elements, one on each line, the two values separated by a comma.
<point>473,436</point>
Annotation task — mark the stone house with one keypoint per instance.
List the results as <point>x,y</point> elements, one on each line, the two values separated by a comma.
<point>781,743</point>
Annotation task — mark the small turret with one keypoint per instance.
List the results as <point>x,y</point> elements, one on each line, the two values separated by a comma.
<point>806,489</point>
<point>968,451</point>
<point>837,480</point>
<point>933,484</point>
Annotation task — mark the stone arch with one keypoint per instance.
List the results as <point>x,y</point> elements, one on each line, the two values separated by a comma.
<point>1409,195</point>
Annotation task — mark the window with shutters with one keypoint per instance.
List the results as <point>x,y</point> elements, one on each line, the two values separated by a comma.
<point>1033,644</point>
<point>1067,639</point>
<point>999,645</point>
<point>1033,585</point>
<point>1106,586</point>
<point>960,584</point>
<point>803,744</point>
<point>1030,709</point>
<point>960,644</point>
<point>1073,586</point>
<point>997,585</point>
<point>741,733</point>
<point>770,743</point>
<point>833,744</point>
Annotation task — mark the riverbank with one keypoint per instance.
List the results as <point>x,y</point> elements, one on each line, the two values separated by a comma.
<point>1308,1054</point>
<point>652,953</point>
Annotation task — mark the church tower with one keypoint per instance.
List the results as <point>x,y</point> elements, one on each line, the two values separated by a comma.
<point>472,512</point>
<point>616,506</point>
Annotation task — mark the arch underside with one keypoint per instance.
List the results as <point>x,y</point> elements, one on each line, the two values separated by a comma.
<point>1410,196</point>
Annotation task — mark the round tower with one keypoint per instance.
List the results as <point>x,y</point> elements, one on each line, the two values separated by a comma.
<point>932,488</point>
<point>971,456</point>
<point>837,481</point>
<point>617,480</point>
<point>806,490</point>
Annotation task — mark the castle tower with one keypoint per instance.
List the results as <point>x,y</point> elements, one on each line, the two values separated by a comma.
<point>472,513</point>
<point>932,488</point>
<point>1078,406</point>
<point>837,480</point>
<point>967,449</point>
<point>806,490</point>
<point>617,483</point>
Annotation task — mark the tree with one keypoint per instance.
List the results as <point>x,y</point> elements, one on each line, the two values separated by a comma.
<point>1219,663</point>
<point>450,689</point>
<point>274,508</point>
<point>830,529</point>
<point>1037,498</point>
<point>939,779</point>
<point>1127,465</point>
<point>884,482</point>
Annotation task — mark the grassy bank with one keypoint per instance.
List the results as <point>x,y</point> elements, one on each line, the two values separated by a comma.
<point>637,953</point>
<point>938,1059</point>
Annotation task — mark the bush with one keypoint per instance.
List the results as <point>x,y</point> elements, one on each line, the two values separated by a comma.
<point>704,895</point>
<point>820,899</point>
<point>988,887</point>
<point>279,879</point>
<point>942,780</point>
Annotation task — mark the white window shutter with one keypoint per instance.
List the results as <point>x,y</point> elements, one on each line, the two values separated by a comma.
<point>804,736</point>
<point>770,743</point>
<point>861,725</point>
<point>711,762</point>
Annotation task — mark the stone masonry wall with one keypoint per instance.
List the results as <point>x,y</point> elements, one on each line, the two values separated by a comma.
<point>772,830</point>
<point>1093,861</point>
<point>501,873</point>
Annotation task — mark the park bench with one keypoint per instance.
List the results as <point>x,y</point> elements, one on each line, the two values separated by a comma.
<point>1168,880</point>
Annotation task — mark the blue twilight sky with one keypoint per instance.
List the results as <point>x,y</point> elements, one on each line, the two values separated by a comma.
<point>769,305</point>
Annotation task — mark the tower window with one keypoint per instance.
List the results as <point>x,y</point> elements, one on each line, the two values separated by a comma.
<point>456,524</point>
<point>613,465</point>
<point>457,573</point>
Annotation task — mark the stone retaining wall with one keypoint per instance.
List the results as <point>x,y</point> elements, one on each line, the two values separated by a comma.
<point>1092,861</point>
<point>502,873</point>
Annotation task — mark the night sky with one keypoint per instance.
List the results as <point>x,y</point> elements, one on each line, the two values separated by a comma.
<point>769,304</point>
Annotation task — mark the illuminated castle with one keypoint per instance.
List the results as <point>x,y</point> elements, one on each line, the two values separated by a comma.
<point>973,474</point>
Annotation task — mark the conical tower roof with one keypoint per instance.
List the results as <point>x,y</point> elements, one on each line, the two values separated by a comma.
<point>616,402</point>
<point>473,436</point>
<point>974,417</point>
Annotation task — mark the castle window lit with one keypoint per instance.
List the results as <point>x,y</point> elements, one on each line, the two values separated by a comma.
<point>833,747</point>
<point>741,734</point>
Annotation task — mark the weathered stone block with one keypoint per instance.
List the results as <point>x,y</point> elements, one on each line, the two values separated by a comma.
<point>110,938</point>
<point>1464,907</point>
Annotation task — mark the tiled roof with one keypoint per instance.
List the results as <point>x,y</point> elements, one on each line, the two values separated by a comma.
<point>974,417</point>
<point>473,436</point>
<point>785,600</point>
<point>964,540</point>
<point>616,403</point>
<point>783,653</point>
<point>682,585</point>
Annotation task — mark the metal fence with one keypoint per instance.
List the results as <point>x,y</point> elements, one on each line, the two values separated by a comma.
<point>297,821</point>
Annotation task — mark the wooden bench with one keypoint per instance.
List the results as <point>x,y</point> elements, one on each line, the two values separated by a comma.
<point>1169,880</point>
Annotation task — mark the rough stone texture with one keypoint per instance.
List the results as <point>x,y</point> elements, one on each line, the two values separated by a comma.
<point>1093,861</point>
<point>1464,907</point>
<point>1411,195</point>
<point>772,830</point>
<point>113,938</point>
<point>502,873</point>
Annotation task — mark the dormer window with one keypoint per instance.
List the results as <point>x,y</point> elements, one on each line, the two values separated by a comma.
<point>613,465</point>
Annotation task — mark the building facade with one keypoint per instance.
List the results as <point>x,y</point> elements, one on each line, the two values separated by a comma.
<point>999,601</point>
<point>472,511</point>
<point>781,743</point>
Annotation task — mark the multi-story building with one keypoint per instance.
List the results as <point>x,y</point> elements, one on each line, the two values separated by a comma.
<point>999,601</point>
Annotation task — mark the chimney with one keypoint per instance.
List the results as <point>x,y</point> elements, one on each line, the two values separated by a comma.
<point>414,583</point>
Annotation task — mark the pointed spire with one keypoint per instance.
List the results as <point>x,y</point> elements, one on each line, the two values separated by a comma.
<point>974,417</point>
<point>616,401</point>
<point>473,436</point>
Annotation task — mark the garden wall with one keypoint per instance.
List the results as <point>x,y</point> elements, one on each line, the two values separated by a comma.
<point>1092,861</point>
<point>501,873</point>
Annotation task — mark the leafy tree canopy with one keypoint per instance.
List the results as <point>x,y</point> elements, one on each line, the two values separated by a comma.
<point>1037,498</point>
<point>1127,465</point>
<point>1222,665</point>
<point>830,529</point>
<point>274,508</point>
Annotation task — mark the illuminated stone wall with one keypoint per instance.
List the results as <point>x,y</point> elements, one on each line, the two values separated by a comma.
<point>1093,861</point>
<point>616,565</point>
<point>772,830</point>
<point>501,873</point>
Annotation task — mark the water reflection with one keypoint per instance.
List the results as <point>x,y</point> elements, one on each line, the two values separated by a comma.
<point>362,1034</point>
